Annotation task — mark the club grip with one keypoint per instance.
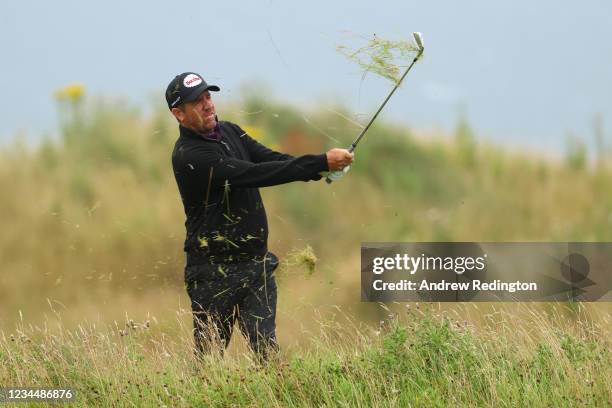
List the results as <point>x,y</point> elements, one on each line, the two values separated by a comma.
<point>351,149</point>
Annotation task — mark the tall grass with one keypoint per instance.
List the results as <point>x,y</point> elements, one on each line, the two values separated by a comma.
<point>92,220</point>
<point>93,226</point>
<point>419,357</point>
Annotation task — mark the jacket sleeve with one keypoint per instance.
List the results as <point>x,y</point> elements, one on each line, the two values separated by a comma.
<point>258,152</point>
<point>242,173</point>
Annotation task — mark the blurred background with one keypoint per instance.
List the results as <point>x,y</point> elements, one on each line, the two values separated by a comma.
<point>501,133</point>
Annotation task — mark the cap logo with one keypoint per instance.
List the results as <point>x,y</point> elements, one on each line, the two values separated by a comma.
<point>192,80</point>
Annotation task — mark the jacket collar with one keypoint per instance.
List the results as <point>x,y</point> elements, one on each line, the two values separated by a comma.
<point>214,137</point>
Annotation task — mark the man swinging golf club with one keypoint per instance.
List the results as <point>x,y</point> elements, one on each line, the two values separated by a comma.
<point>218,168</point>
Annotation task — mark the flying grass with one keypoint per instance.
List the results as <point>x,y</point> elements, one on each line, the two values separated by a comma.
<point>303,258</point>
<point>382,57</point>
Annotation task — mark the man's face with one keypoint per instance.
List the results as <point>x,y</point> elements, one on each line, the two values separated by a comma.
<point>198,115</point>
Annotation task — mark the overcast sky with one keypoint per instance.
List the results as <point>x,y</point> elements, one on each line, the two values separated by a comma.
<point>526,72</point>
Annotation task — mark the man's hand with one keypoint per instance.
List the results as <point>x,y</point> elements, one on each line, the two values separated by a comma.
<point>337,159</point>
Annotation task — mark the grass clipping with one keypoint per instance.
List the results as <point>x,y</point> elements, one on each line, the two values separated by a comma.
<point>382,57</point>
<point>304,258</point>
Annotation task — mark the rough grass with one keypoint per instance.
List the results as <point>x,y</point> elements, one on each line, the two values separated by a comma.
<point>96,212</point>
<point>419,357</point>
<point>92,224</point>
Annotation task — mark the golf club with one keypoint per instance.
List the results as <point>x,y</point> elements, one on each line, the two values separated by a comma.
<point>418,38</point>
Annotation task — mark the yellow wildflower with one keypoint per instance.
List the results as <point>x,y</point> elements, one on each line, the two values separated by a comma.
<point>73,93</point>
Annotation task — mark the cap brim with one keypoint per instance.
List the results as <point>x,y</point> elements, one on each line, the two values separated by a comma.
<point>197,92</point>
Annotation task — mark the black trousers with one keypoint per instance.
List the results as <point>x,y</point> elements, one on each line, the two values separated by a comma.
<point>222,294</point>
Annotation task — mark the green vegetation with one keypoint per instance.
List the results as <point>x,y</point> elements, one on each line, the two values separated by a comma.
<point>93,228</point>
<point>96,211</point>
<point>101,200</point>
<point>421,358</point>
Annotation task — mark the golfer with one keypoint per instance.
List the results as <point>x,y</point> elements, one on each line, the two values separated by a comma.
<point>218,168</point>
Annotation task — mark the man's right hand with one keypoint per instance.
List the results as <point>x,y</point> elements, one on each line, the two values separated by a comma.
<point>337,159</point>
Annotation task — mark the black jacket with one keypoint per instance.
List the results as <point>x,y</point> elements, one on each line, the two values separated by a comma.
<point>218,182</point>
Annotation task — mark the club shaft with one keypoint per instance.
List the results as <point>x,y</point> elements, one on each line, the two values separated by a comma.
<point>363,132</point>
<point>353,145</point>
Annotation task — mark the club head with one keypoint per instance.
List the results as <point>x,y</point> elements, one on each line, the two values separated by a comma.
<point>418,38</point>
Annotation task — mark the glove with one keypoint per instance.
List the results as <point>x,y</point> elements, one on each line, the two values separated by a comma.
<point>337,175</point>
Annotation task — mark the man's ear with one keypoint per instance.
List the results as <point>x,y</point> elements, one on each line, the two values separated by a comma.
<point>178,114</point>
